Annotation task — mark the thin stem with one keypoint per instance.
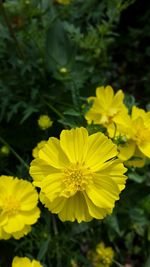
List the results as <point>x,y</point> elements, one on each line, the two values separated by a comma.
<point>57,243</point>
<point>14,153</point>
<point>118,264</point>
<point>54,109</point>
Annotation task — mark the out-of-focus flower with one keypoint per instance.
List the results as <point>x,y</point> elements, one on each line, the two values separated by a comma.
<point>63,2</point>
<point>102,257</point>
<point>4,150</point>
<point>18,207</point>
<point>79,175</point>
<point>63,70</point>
<point>107,107</point>
<point>44,122</point>
<point>25,262</point>
<point>35,151</point>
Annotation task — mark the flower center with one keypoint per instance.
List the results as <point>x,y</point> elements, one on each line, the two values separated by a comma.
<point>11,205</point>
<point>76,177</point>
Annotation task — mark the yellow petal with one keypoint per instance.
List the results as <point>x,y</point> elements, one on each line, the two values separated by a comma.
<point>40,169</point>
<point>100,149</point>
<point>115,170</point>
<point>102,197</point>
<point>75,208</point>
<point>53,155</point>
<point>30,217</point>
<point>145,148</point>
<point>52,185</point>
<point>74,143</point>
<point>126,151</point>
<point>54,206</point>
<point>14,224</point>
<point>94,211</point>
<point>21,262</point>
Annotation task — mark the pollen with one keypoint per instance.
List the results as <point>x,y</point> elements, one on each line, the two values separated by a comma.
<point>11,205</point>
<point>76,178</point>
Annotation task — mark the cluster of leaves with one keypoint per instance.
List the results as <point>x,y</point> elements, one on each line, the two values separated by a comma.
<point>52,57</point>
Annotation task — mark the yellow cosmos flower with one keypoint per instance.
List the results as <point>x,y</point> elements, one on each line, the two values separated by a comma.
<point>107,107</point>
<point>105,255</point>
<point>25,262</point>
<point>18,207</point>
<point>35,151</point>
<point>79,175</point>
<point>136,130</point>
<point>44,122</point>
<point>63,2</point>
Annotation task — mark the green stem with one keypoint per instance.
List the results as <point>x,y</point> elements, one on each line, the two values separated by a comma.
<point>118,264</point>
<point>57,243</point>
<point>54,110</point>
<point>14,152</point>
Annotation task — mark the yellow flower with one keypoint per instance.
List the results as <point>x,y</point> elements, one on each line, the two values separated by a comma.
<point>35,151</point>
<point>107,107</point>
<point>105,255</point>
<point>18,207</point>
<point>63,2</point>
<point>5,150</point>
<point>25,262</point>
<point>136,130</point>
<point>44,122</point>
<point>79,175</point>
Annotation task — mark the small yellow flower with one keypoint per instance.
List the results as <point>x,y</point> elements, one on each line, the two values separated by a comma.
<point>79,175</point>
<point>107,107</point>
<point>44,122</point>
<point>63,2</point>
<point>35,151</point>
<point>5,150</point>
<point>25,262</point>
<point>18,207</point>
<point>102,257</point>
<point>63,70</point>
<point>105,255</point>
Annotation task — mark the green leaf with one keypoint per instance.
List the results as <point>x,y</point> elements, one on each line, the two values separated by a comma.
<point>59,50</point>
<point>137,178</point>
<point>147,264</point>
<point>43,249</point>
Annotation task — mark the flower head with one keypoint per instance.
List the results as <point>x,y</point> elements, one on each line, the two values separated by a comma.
<point>35,151</point>
<point>18,207</point>
<point>5,150</point>
<point>107,107</point>
<point>135,129</point>
<point>44,122</point>
<point>102,257</point>
<point>25,262</point>
<point>79,175</point>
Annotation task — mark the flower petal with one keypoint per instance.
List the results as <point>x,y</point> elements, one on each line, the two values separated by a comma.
<point>94,211</point>
<point>52,185</point>
<point>30,217</point>
<point>40,169</point>
<point>14,224</point>
<point>53,154</point>
<point>75,208</point>
<point>100,149</point>
<point>74,143</point>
